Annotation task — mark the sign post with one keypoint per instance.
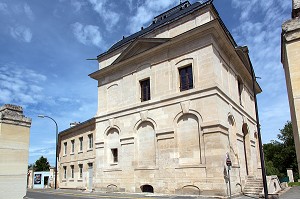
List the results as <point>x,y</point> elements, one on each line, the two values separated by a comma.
<point>228,163</point>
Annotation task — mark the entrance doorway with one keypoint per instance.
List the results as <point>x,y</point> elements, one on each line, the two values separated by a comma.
<point>46,181</point>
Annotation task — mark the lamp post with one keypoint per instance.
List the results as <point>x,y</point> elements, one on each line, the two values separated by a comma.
<point>56,146</point>
<point>261,153</point>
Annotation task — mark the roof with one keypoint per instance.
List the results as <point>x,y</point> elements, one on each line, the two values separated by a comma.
<point>78,126</point>
<point>169,16</point>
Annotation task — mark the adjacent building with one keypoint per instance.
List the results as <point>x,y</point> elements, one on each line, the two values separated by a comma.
<point>14,151</point>
<point>77,156</point>
<point>290,58</point>
<point>174,100</point>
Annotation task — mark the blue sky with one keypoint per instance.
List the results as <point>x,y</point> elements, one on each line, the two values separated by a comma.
<point>44,46</point>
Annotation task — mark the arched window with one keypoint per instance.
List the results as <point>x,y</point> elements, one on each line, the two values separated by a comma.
<point>146,148</point>
<point>113,146</point>
<point>188,139</point>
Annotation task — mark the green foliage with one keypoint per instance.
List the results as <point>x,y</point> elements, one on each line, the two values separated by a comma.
<point>41,164</point>
<point>280,155</point>
<point>292,184</point>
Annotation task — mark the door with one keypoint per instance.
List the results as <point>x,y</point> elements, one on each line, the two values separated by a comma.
<point>90,165</point>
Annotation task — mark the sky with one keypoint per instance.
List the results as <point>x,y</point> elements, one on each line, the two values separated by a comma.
<point>44,46</point>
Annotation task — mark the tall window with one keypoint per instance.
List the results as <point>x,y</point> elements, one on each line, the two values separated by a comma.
<point>90,136</point>
<point>80,170</point>
<point>114,153</point>
<point>240,90</point>
<point>186,78</point>
<point>72,146</point>
<point>145,90</point>
<point>72,171</point>
<point>65,148</point>
<point>65,172</point>
<point>80,143</point>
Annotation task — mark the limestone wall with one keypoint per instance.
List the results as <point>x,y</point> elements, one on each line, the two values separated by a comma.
<point>14,140</point>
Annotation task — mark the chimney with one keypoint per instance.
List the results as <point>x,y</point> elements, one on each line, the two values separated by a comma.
<point>296,9</point>
<point>72,124</point>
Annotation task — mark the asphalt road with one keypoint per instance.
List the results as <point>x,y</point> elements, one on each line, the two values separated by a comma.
<point>293,193</point>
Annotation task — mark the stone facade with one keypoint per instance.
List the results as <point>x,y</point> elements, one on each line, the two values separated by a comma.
<point>14,140</point>
<point>76,156</point>
<point>172,135</point>
<point>290,56</point>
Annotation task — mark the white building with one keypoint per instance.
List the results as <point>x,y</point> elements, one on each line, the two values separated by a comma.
<point>174,99</point>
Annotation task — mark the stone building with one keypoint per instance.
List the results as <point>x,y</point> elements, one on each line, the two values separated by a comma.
<point>290,58</point>
<point>14,151</point>
<point>76,156</point>
<point>173,100</point>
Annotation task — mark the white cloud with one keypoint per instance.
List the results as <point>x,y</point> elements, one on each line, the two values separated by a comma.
<point>21,33</point>
<point>260,29</point>
<point>146,12</point>
<point>3,8</point>
<point>20,85</point>
<point>77,4</point>
<point>105,11</point>
<point>28,11</point>
<point>88,34</point>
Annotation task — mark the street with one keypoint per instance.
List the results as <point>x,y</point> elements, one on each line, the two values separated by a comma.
<point>293,193</point>
<point>68,194</point>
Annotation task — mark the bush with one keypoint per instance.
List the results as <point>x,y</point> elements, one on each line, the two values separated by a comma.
<point>293,184</point>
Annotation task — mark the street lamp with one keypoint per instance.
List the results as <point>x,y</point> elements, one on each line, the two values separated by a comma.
<point>56,150</point>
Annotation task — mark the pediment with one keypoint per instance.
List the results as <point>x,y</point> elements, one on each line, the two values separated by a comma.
<point>139,46</point>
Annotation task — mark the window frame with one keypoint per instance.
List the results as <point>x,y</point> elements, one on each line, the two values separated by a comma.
<point>145,87</point>
<point>65,148</point>
<point>115,155</point>
<point>90,141</point>
<point>80,144</point>
<point>72,171</point>
<point>80,168</point>
<point>186,77</point>
<point>240,86</point>
<point>65,172</point>
<point>72,146</point>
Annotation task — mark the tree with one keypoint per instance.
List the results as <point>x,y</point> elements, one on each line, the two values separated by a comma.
<point>280,155</point>
<point>41,164</point>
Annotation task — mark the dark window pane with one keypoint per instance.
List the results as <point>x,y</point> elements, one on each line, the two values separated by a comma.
<point>186,78</point>
<point>145,90</point>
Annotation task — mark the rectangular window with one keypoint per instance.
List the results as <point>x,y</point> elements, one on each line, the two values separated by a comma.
<point>114,153</point>
<point>80,170</point>
<point>80,143</point>
<point>65,172</point>
<point>145,90</point>
<point>72,145</point>
<point>240,90</point>
<point>90,141</point>
<point>65,148</point>
<point>186,78</point>
<point>72,171</point>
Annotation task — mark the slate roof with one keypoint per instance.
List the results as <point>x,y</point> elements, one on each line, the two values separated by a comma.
<point>169,16</point>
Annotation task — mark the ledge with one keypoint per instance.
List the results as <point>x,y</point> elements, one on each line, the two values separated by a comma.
<point>190,166</point>
<point>146,168</point>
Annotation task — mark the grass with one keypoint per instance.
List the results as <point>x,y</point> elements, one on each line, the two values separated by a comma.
<point>292,184</point>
